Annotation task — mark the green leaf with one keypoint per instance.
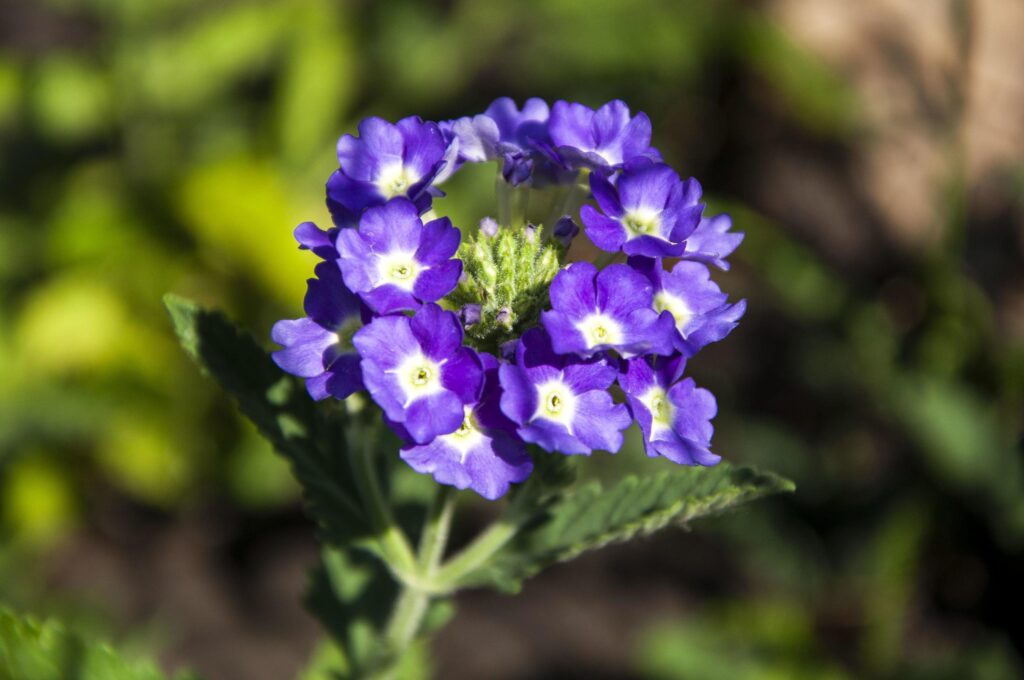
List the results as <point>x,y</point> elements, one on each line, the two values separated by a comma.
<point>352,595</point>
<point>591,516</point>
<point>49,651</point>
<point>312,439</point>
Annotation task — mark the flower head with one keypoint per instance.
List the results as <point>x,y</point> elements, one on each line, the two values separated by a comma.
<point>419,373</point>
<point>696,303</point>
<point>483,454</point>
<point>649,211</point>
<point>603,139</point>
<point>561,402</point>
<point>475,346</point>
<point>318,347</point>
<point>608,310</point>
<point>386,161</point>
<point>395,262</point>
<point>674,416</point>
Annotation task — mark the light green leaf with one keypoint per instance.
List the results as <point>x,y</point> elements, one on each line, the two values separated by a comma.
<point>592,516</point>
<point>48,651</point>
<point>311,439</point>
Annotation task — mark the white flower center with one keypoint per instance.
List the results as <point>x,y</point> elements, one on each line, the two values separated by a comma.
<point>467,437</point>
<point>399,269</point>
<point>556,402</point>
<point>681,311</point>
<point>419,376</point>
<point>600,330</point>
<point>395,180</point>
<point>642,222</point>
<point>662,410</point>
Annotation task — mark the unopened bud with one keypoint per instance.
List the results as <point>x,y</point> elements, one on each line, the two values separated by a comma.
<point>469,314</point>
<point>565,231</point>
<point>489,227</point>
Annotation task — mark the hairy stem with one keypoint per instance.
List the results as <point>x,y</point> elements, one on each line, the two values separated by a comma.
<point>412,604</point>
<point>390,538</point>
<point>475,554</point>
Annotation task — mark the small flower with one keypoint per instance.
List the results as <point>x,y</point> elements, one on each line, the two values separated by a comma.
<point>695,302</point>
<point>419,373</point>
<point>561,402</point>
<point>504,132</point>
<point>385,161</point>
<point>320,242</point>
<point>613,309</point>
<point>318,347</point>
<point>602,139</point>
<point>483,454</point>
<point>649,211</point>
<point>674,417</point>
<point>395,262</point>
<point>711,242</point>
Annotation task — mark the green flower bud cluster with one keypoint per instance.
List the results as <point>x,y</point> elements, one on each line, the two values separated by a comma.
<point>507,274</point>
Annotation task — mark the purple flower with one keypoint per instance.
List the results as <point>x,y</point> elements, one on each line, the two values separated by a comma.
<point>318,347</point>
<point>697,305</point>
<point>483,454</point>
<point>649,211</point>
<point>518,137</point>
<point>602,139</point>
<point>315,239</point>
<point>613,309</point>
<point>675,417</point>
<point>561,402</point>
<point>419,373</point>
<point>711,242</point>
<point>395,262</point>
<point>387,160</point>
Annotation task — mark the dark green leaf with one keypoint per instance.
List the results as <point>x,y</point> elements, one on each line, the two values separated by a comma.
<point>310,438</point>
<point>591,516</point>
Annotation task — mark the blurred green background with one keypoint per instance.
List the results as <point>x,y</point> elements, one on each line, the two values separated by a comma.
<point>872,152</point>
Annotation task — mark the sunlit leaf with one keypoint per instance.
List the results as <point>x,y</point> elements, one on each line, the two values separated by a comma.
<point>592,516</point>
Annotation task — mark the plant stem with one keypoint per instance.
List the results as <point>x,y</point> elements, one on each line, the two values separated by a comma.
<point>475,554</point>
<point>436,529</point>
<point>389,536</point>
<point>503,192</point>
<point>574,197</point>
<point>412,604</point>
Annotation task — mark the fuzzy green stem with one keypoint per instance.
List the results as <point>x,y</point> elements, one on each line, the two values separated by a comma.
<point>394,545</point>
<point>474,555</point>
<point>503,192</point>
<point>412,604</point>
<point>435,530</point>
<point>574,197</point>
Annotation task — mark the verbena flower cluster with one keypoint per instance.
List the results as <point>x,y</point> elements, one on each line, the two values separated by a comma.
<point>478,342</point>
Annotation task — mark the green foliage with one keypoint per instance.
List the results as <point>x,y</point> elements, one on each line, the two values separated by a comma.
<point>30,650</point>
<point>591,516</point>
<point>314,442</point>
<point>759,640</point>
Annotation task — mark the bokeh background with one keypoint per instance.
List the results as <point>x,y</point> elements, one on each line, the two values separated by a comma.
<point>872,151</point>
